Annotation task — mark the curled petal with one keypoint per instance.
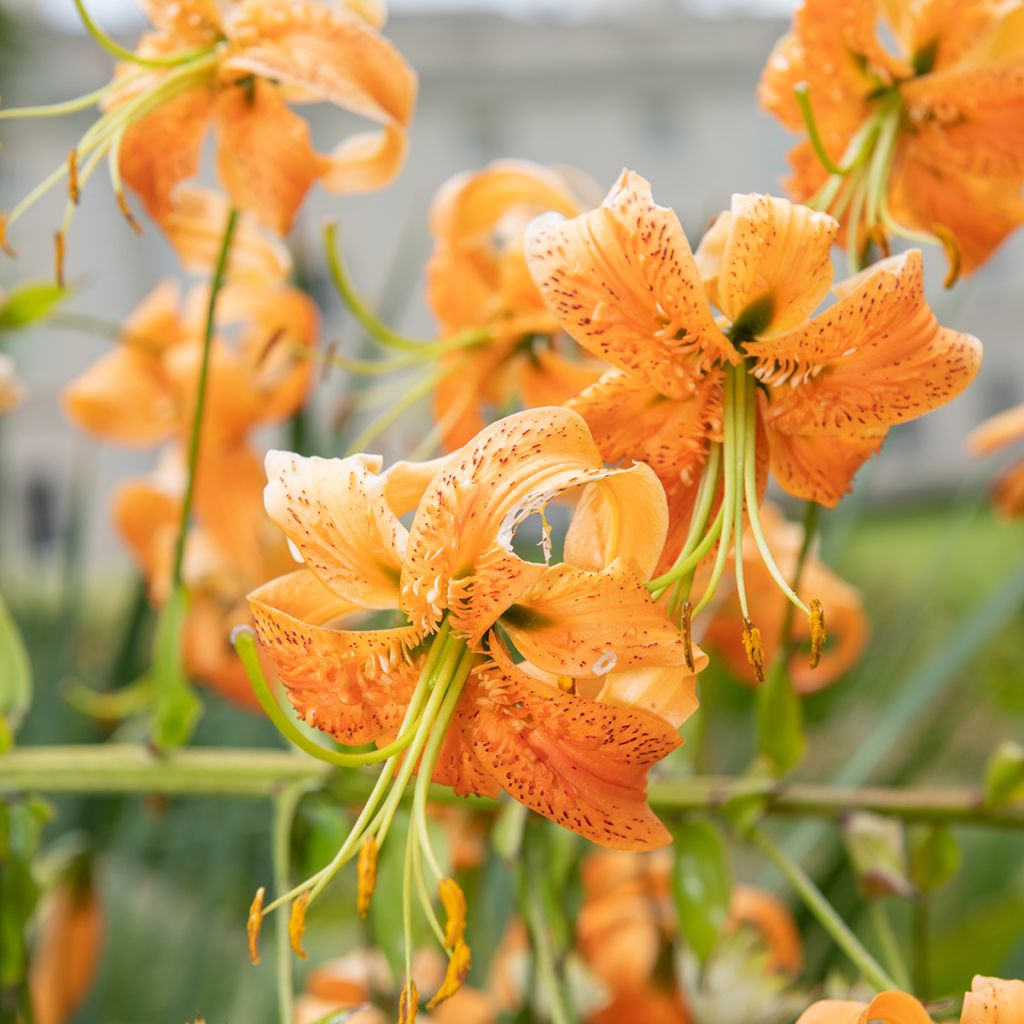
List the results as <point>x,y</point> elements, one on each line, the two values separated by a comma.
<point>885,1008</point>
<point>770,916</point>
<point>352,684</point>
<point>995,433</point>
<point>264,155</point>
<point>776,264</point>
<point>580,763</point>
<point>336,513</point>
<point>365,162</point>
<point>668,692</point>
<point>994,1001</point>
<point>876,357</point>
<point>622,281</point>
<point>148,518</point>
<point>195,226</point>
<point>575,623</point>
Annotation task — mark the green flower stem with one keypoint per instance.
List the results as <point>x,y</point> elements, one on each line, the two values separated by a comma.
<point>285,805</point>
<point>825,913</point>
<point>107,769</point>
<point>118,51</point>
<point>887,939</point>
<point>216,284</point>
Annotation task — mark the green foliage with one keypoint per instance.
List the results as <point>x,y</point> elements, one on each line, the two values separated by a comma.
<point>701,884</point>
<point>15,678</point>
<point>780,727</point>
<point>1004,775</point>
<point>177,706</point>
<point>29,304</point>
<point>934,857</point>
<point>878,855</point>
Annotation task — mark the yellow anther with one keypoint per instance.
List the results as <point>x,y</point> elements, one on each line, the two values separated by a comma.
<point>366,874</point>
<point>126,212</point>
<point>254,923</point>
<point>74,192</point>
<point>459,964</point>
<point>4,244</point>
<point>454,902</point>
<point>567,684</point>
<point>952,248</point>
<point>818,633</point>
<point>753,648</point>
<point>58,245</point>
<point>686,628</point>
<point>409,1004</point>
<point>297,924</point>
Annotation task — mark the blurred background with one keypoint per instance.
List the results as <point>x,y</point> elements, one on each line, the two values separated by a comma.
<point>666,88</point>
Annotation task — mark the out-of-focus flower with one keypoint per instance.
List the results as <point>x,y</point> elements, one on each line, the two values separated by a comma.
<point>572,730</point>
<point>847,623</point>
<point>928,141</point>
<point>479,282</point>
<point>237,68</point>
<point>626,930</point>
<point>995,433</point>
<point>67,950</point>
<point>885,1008</point>
<point>994,1001</point>
<point>12,391</point>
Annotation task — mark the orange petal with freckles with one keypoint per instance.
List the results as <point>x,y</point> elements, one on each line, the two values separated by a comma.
<point>994,1001</point>
<point>405,482</point>
<point>329,53</point>
<point>336,513</point>
<point>776,262</point>
<point>876,357</point>
<point>265,158</point>
<point>818,467</point>
<point>164,148</point>
<point>461,536</point>
<point>629,420</point>
<point>460,769</point>
<point>578,623</point>
<point>125,396</point>
<point>354,685</point>
<point>580,763</point>
<point>998,431</point>
<point>622,281</point>
<point>980,212</point>
<point>885,1008</point>
<point>195,227</point>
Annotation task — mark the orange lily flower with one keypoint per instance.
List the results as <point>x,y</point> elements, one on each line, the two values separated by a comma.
<point>926,142</point>
<point>995,433</point>
<point>885,1008</point>
<point>570,730</point>
<point>478,281</point>
<point>994,1001</point>
<point>847,623</point>
<point>238,67</point>
<point>768,384</point>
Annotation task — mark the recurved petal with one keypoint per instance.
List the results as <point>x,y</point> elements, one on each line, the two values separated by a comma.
<point>125,396</point>
<point>776,263</point>
<point>670,692</point>
<point>578,623</point>
<point>365,162</point>
<point>336,513</point>
<point>622,281</point>
<point>164,147</point>
<point>769,915</point>
<point>147,518</point>
<point>156,324</point>
<point>460,542</point>
<point>885,1008</point>
<point>580,763</point>
<point>1002,429</point>
<point>1008,493</point>
<point>265,158</point>
<point>353,684</point>
<point>979,211</point>
<point>195,227</point>
<point>876,357</point>
<point>327,52</point>
<point>994,1001</point>
<point>818,467</point>
<point>548,377</point>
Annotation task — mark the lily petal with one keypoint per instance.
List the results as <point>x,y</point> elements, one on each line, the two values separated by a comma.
<point>352,684</point>
<point>580,763</point>
<point>622,281</point>
<point>670,692</point>
<point>336,513</point>
<point>994,1001</point>
<point>885,1008</point>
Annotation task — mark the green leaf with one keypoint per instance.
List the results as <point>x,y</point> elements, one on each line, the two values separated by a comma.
<point>490,909</point>
<point>934,857</point>
<point>29,304</point>
<point>1004,776</point>
<point>780,721</point>
<point>701,884</point>
<point>15,678</point>
<point>878,855</point>
<point>177,707</point>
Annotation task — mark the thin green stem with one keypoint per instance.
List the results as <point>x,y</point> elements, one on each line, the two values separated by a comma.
<point>285,805</point>
<point>922,946</point>
<point>803,99</point>
<point>122,53</point>
<point>195,438</point>
<point>810,525</point>
<point>740,427</point>
<point>73,106</point>
<point>890,946</point>
<point>825,913</point>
